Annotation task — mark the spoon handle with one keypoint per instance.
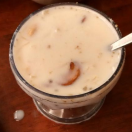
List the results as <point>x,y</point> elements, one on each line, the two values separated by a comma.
<point>122,42</point>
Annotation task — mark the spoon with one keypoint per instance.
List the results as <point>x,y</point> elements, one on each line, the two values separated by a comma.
<point>122,42</point>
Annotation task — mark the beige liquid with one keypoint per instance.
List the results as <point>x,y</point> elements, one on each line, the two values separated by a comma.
<point>54,38</point>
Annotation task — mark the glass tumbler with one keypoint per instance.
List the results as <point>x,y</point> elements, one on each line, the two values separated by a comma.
<point>67,109</point>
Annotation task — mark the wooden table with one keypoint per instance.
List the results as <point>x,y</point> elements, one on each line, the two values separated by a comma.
<point>116,113</point>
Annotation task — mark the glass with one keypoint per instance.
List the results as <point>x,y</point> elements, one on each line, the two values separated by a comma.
<point>68,109</point>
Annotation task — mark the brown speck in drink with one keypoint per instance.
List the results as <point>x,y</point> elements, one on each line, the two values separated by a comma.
<point>29,74</point>
<point>100,55</point>
<point>32,76</point>
<point>94,65</point>
<point>77,47</point>
<point>33,85</point>
<point>28,70</point>
<point>80,52</point>
<point>113,52</point>
<point>56,90</point>
<point>83,73</point>
<point>94,78</point>
<point>58,29</point>
<point>19,57</point>
<point>97,17</point>
<point>85,88</point>
<point>50,72</point>
<point>90,88</point>
<point>71,8</point>
<point>24,44</point>
<point>83,19</point>
<point>14,45</point>
<point>32,30</point>
<point>46,12</point>
<point>23,38</point>
<point>48,46</point>
<point>72,66</point>
<point>50,81</point>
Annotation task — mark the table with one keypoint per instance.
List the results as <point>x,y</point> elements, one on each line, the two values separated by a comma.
<point>116,113</point>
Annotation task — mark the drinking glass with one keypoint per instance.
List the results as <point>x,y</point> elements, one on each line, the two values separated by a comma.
<point>67,109</point>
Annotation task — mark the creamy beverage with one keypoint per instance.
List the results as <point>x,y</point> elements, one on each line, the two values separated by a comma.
<point>65,50</point>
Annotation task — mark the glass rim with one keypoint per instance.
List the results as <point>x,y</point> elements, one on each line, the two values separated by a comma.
<point>12,63</point>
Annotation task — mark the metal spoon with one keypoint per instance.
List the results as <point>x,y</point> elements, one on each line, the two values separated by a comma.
<point>122,42</point>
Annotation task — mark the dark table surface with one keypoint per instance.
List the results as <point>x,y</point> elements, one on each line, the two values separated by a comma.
<point>116,113</point>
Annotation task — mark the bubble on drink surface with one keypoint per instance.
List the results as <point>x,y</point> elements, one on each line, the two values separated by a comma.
<point>19,115</point>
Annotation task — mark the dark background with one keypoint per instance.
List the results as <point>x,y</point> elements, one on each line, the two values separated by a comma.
<point>116,113</point>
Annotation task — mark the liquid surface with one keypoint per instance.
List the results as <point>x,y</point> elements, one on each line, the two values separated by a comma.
<point>64,50</point>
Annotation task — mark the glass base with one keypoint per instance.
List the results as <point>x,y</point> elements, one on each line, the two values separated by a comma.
<point>69,116</point>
